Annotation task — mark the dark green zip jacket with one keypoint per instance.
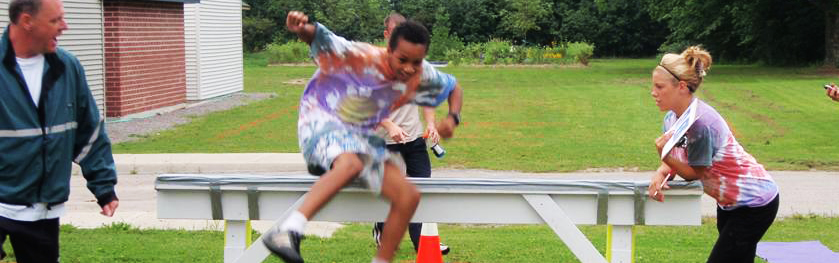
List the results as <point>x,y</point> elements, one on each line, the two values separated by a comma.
<point>38,144</point>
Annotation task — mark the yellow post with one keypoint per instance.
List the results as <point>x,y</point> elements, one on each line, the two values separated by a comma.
<point>249,237</point>
<point>610,240</point>
<point>248,234</point>
<point>633,244</point>
<point>609,243</point>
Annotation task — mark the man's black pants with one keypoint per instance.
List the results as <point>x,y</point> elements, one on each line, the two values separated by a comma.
<point>31,241</point>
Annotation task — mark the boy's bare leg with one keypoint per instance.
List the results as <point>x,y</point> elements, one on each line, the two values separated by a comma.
<point>285,241</point>
<point>345,168</point>
<point>404,197</point>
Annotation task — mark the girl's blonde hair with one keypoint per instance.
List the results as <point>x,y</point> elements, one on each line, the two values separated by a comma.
<point>690,66</point>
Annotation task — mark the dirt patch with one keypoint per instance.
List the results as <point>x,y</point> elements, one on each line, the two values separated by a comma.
<point>525,66</point>
<point>302,64</point>
<point>828,71</point>
<point>780,131</point>
<point>247,126</point>
<point>296,81</point>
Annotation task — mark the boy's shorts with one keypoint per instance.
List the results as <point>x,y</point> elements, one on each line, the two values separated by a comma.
<point>322,146</point>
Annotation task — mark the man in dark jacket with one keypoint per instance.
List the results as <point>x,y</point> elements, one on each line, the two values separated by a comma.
<point>48,119</point>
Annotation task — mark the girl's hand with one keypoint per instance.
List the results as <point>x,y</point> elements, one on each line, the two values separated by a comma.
<point>661,141</point>
<point>656,188</point>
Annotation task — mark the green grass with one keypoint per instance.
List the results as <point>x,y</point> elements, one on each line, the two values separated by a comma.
<point>470,243</point>
<point>553,119</point>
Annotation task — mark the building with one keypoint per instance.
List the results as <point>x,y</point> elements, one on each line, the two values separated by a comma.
<point>147,55</point>
<point>84,17</point>
<point>214,63</point>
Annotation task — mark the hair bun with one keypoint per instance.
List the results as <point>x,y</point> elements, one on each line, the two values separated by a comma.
<point>698,59</point>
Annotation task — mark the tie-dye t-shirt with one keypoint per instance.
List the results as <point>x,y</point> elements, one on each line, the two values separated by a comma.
<point>734,178</point>
<point>351,93</point>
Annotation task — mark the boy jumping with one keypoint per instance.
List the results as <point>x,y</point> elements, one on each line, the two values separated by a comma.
<point>356,86</point>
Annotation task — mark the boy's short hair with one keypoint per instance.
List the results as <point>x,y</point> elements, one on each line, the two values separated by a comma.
<point>410,31</point>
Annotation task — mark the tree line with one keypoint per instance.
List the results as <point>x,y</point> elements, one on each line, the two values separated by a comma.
<point>775,32</point>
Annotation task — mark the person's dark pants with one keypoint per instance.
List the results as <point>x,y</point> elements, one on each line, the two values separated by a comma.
<point>417,164</point>
<point>740,230</point>
<point>31,241</point>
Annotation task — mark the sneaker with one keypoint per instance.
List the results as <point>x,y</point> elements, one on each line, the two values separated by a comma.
<point>284,244</point>
<point>377,235</point>
<point>444,249</point>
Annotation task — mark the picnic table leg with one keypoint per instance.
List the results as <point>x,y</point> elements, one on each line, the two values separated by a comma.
<point>257,252</point>
<point>620,244</point>
<point>235,239</point>
<point>562,225</point>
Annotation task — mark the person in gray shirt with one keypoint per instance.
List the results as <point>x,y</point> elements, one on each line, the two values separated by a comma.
<point>403,132</point>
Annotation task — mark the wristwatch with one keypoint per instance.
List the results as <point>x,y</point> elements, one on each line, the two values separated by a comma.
<point>455,117</point>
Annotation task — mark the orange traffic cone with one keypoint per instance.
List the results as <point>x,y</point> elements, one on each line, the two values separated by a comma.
<point>429,245</point>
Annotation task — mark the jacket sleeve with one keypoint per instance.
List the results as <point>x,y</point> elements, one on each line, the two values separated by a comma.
<point>92,147</point>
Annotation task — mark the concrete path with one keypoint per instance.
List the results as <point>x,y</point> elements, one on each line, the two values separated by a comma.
<point>810,192</point>
<point>138,207</point>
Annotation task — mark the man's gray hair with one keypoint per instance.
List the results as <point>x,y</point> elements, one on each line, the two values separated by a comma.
<point>18,7</point>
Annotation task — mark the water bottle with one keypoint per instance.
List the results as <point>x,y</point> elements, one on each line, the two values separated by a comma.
<point>438,150</point>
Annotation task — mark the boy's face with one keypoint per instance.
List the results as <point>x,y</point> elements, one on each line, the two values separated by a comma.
<point>406,59</point>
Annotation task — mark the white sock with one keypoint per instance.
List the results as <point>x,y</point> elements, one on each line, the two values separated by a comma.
<point>378,260</point>
<point>295,222</point>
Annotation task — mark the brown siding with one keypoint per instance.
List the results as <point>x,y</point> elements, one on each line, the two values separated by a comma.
<point>144,56</point>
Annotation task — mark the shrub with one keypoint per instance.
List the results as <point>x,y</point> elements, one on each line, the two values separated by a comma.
<point>518,54</point>
<point>291,52</point>
<point>256,33</point>
<point>473,53</point>
<point>580,51</point>
<point>504,52</point>
<point>454,56</point>
<point>497,50</point>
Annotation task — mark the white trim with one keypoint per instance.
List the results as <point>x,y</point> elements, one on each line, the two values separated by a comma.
<point>86,148</point>
<point>37,131</point>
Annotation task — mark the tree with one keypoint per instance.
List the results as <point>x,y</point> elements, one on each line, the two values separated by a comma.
<point>473,20</point>
<point>522,16</point>
<point>273,12</point>
<point>422,11</point>
<point>773,31</point>
<point>831,30</point>
<point>441,40</point>
<point>257,32</point>
<point>359,20</point>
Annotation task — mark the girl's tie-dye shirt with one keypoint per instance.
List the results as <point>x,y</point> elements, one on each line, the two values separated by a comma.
<point>734,178</point>
<point>351,92</point>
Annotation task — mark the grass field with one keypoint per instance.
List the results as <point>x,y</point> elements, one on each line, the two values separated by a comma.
<point>473,243</point>
<point>553,119</point>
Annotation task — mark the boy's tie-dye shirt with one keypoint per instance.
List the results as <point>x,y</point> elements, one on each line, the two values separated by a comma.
<point>734,178</point>
<point>351,93</point>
